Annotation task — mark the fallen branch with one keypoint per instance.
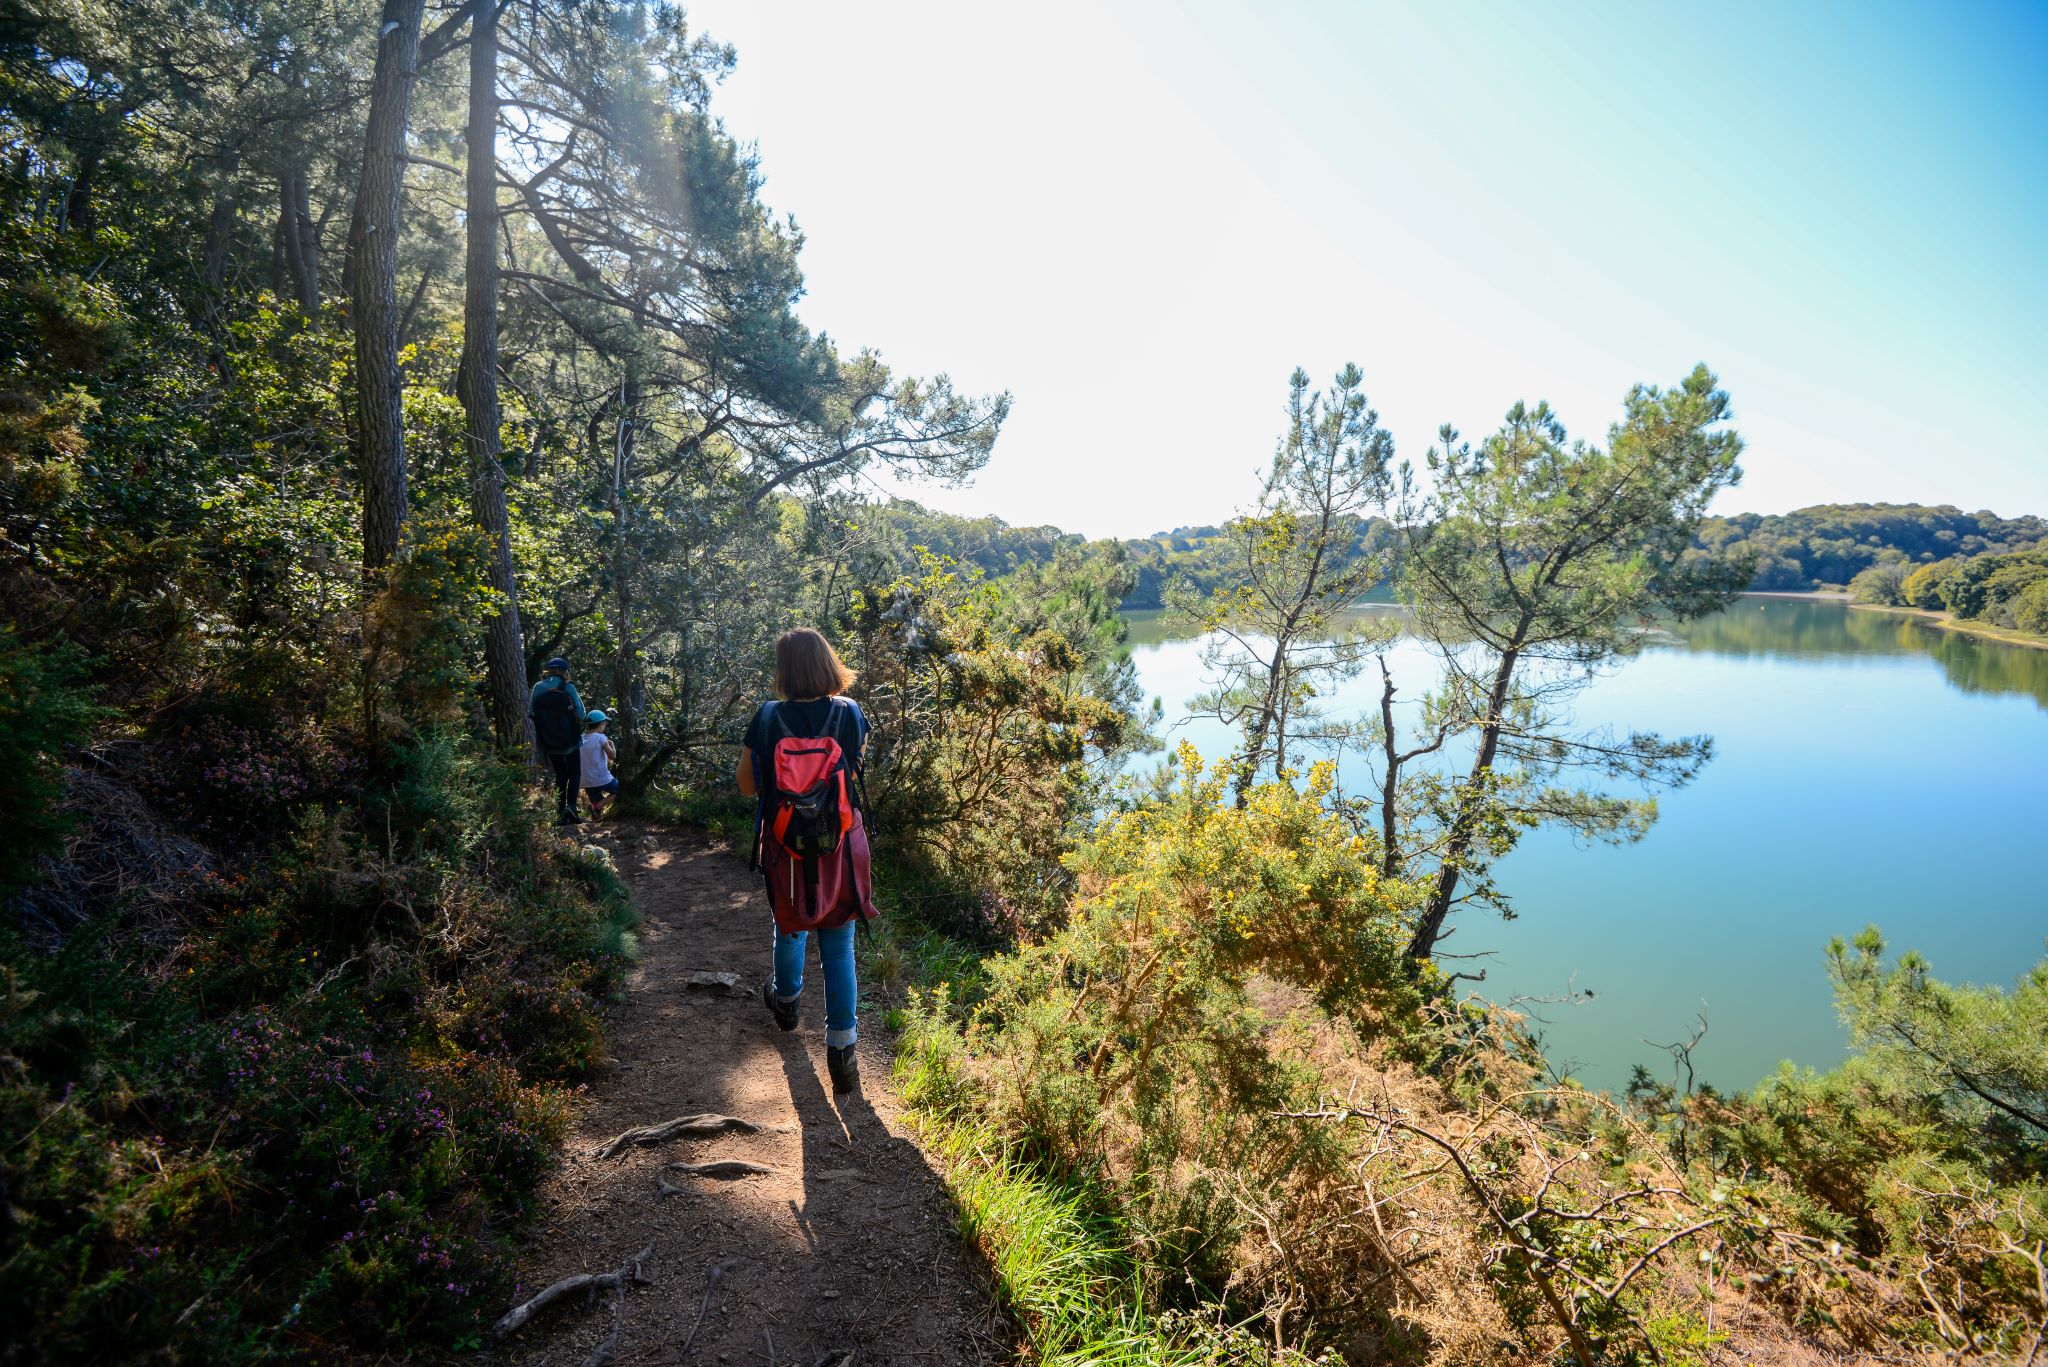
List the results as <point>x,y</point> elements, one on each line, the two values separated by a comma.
<point>682,1127</point>
<point>717,1274</point>
<point>726,1168</point>
<point>517,1317</point>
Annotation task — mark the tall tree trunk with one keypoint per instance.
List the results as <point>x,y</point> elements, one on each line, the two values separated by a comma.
<point>1465,825</point>
<point>301,238</point>
<point>220,227</point>
<point>280,272</point>
<point>78,212</point>
<point>477,383</point>
<point>625,730</point>
<point>289,241</point>
<point>372,283</point>
<point>1390,786</point>
<point>1261,728</point>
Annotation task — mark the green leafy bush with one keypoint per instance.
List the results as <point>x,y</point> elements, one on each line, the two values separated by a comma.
<point>46,707</point>
<point>309,1118</point>
<point>990,706</point>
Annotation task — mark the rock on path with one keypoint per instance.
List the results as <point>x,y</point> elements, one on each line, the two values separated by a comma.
<point>845,1244</point>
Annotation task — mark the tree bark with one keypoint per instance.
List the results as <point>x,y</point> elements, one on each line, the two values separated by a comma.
<point>477,384</point>
<point>372,283</point>
<point>1465,825</point>
<point>1390,786</point>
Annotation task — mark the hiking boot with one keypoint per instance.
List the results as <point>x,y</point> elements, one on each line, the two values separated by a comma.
<point>844,1068</point>
<point>784,1013</point>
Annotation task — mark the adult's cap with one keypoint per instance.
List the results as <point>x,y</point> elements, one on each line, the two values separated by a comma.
<point>558,663</point>
<point>596,715</point>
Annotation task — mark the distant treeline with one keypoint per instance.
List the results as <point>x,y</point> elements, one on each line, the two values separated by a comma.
<point>1828,545</point>
<point>1199,555</point>
<point>1825,546</point>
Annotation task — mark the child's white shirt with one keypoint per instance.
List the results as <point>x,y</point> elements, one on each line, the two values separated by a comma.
<point>597,759</point>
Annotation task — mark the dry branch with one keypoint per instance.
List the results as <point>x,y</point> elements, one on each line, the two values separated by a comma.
<point>517,1317</point>
<point>682,1127</point>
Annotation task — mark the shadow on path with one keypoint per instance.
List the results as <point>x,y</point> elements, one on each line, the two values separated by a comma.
<point>846,1245</point>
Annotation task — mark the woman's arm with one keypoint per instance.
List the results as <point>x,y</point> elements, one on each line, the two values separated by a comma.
<point>744,776</point>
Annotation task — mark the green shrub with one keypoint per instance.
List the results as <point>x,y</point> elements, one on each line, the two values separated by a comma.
<point>1882,583</point>
<point>2030,608</point>
<point>1923,587</point>
<point>45,708</point>
<point>313,1118</point>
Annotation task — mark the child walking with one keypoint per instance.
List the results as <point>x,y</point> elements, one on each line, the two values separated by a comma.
<point>599,754</point>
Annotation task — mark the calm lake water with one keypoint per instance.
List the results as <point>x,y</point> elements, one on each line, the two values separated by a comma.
<point>1868,769</point>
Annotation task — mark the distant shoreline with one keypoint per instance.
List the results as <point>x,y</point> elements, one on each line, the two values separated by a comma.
<point>1947,622</point>
<point>1807,595</point>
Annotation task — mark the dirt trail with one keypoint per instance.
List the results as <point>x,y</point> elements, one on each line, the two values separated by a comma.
<point>844,1247</point>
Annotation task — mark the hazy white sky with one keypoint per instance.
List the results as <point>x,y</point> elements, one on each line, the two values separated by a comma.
<point>1139,217</point>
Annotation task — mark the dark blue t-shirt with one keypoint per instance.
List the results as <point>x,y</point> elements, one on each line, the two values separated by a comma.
<point>839,718</point>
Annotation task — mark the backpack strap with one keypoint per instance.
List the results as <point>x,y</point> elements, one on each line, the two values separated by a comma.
<point>857,788</point>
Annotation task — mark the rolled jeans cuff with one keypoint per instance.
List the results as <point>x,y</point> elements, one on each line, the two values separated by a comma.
<point>839,1039</point>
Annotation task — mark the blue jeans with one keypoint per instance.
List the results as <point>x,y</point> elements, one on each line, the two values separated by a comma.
<point>835,952</point>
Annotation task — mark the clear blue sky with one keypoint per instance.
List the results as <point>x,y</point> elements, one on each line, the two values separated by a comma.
<point>1139,217</point>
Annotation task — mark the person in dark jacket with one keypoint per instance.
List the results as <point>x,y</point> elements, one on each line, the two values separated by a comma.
<point>558,728</point>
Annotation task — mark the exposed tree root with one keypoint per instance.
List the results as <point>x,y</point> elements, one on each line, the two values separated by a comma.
<point>682,1127</point>
<point>602,1354</point>
<point>517,1317</point>
<point>727,1168</point>
<point>717,1274</point>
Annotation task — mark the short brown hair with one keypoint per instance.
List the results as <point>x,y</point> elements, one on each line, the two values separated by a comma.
<point>806,666</point>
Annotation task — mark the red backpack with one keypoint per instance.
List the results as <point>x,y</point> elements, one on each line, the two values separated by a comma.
<point>811,842</point>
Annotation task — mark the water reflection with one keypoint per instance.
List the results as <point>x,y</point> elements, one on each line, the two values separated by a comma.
<point>1792,628</point>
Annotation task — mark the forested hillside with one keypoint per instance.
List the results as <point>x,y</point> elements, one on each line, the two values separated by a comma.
<point>1822,547</point>
<point>1827,545</point>
<point>355,362</point>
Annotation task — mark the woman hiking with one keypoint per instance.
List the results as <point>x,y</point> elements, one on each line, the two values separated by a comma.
<point>801,760</point>
<point>557,711</point>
